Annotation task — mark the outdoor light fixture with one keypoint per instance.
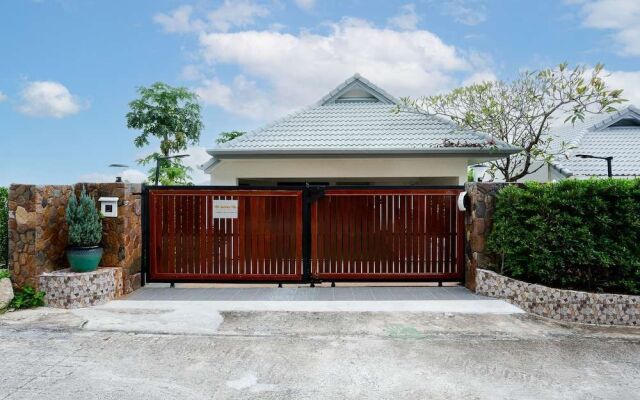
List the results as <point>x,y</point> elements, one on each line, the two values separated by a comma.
<point>608,159</point>
<point>478,172</point>
<point>121,168</point>
<point>166,158</point>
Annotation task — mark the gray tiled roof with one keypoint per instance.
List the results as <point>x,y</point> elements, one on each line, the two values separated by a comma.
<point>595,137</point>
<point>358,125</point>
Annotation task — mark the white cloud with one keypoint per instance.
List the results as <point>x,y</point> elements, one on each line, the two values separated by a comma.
<point>178,20</point>
<point>128,175</point>
<point>48,99</point>
<point>239,13</point>
<point>629,81</point>
<point>619,16</point>
<point>305,4</point>
<point>406,19</point>
<point>198,156</point>
<point>232,13</point>
<point>282,72</point>
<point>242,97</point>
<point>467,12</point>
<point>3,97</point>
<point>480,77</point>
<point>192,73</point>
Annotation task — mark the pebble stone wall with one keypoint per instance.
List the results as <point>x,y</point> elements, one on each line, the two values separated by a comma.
<point>66,289</point>
<point>560,304</point>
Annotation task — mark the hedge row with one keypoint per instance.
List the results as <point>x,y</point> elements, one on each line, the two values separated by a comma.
<point>575,234</point>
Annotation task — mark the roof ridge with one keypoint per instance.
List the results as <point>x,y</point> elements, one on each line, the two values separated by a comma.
<point>615,116</point>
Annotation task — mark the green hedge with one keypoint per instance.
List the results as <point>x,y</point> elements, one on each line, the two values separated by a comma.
<point>4,218</point>
<point>582,235</point>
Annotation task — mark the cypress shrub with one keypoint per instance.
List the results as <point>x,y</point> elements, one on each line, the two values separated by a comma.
<point>85,226</point>
<point>574,234</point>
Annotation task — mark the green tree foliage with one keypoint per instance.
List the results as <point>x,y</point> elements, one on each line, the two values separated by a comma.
<point>4,228</point>
<point>572,234</point>
<point>521,112</point>
<point>83,218</point>
<point>225,137</point>
<point>172,115</point>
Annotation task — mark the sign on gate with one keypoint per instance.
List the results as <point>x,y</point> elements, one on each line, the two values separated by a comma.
<point>225,209</point>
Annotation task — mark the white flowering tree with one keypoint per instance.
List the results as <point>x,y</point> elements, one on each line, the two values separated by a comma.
<point>522,111</point>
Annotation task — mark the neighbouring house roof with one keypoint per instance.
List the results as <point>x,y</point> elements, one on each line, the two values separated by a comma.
<point>615,134</point>
<point>357,118</point>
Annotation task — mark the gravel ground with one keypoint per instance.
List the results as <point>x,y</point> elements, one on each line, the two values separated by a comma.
<point>305,355</point>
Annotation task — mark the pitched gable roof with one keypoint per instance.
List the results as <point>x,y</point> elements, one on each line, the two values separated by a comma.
<point>615,134</point>
<point>357,117</point>
<point>357,88</point>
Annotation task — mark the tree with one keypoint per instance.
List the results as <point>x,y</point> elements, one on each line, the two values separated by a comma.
<point>171,114</point>
<point>521,112</point>
<point>225,137</point>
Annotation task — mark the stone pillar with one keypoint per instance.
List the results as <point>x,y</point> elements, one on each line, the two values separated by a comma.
<point>38,232</point>
<point>478,222</point>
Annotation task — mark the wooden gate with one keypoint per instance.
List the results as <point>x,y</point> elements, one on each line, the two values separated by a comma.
<point>387,234</point>
<point>224,235</point>
<point>206,234</point>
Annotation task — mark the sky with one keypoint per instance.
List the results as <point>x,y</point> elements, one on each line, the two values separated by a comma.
<point>69,68</point>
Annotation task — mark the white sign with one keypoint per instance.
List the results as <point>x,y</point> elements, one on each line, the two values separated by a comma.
<point>225,209</point>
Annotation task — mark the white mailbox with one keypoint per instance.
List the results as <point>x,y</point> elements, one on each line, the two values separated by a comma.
<point>109,206</point>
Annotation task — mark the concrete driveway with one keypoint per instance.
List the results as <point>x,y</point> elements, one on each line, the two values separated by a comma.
<point>193,350</point>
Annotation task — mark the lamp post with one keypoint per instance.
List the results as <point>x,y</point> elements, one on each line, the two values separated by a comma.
<point>478,172</point>
<point>166,158</point>
<point>608,159</point>
<point>119,166</point>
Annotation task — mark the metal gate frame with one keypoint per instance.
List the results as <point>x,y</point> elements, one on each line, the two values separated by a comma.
<point>309,195</point>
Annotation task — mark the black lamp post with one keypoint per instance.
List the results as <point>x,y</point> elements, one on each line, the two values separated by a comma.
<point>166,158</point>
<point>119,166</point>
<point>608,159</point>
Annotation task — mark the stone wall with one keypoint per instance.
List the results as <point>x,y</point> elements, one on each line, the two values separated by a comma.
<point>66,289</point>
<point>38,232</point>
<point>560,304</point>
<point>478,221</point>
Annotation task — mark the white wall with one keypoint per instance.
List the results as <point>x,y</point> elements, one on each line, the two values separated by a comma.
<point>544,174</point>
<point>229,171</point>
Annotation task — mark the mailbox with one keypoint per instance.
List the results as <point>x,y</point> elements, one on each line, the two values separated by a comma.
<point>109,206</point>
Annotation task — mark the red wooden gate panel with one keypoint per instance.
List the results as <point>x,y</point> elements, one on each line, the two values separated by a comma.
<point>188,241</point>
<point>387,234</point>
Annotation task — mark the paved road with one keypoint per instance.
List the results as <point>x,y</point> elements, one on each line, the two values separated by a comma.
<point>305,355</point>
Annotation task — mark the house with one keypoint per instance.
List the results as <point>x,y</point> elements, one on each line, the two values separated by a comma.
<point>615,134</point>
<point>352,137</point>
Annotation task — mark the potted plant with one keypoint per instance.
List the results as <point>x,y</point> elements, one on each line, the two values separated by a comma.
<point>85,233</point>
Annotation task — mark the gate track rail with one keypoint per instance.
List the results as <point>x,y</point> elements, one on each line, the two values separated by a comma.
<point>303,234</point>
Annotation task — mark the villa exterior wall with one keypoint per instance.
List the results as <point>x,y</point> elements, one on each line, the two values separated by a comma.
<point>229,171</point>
